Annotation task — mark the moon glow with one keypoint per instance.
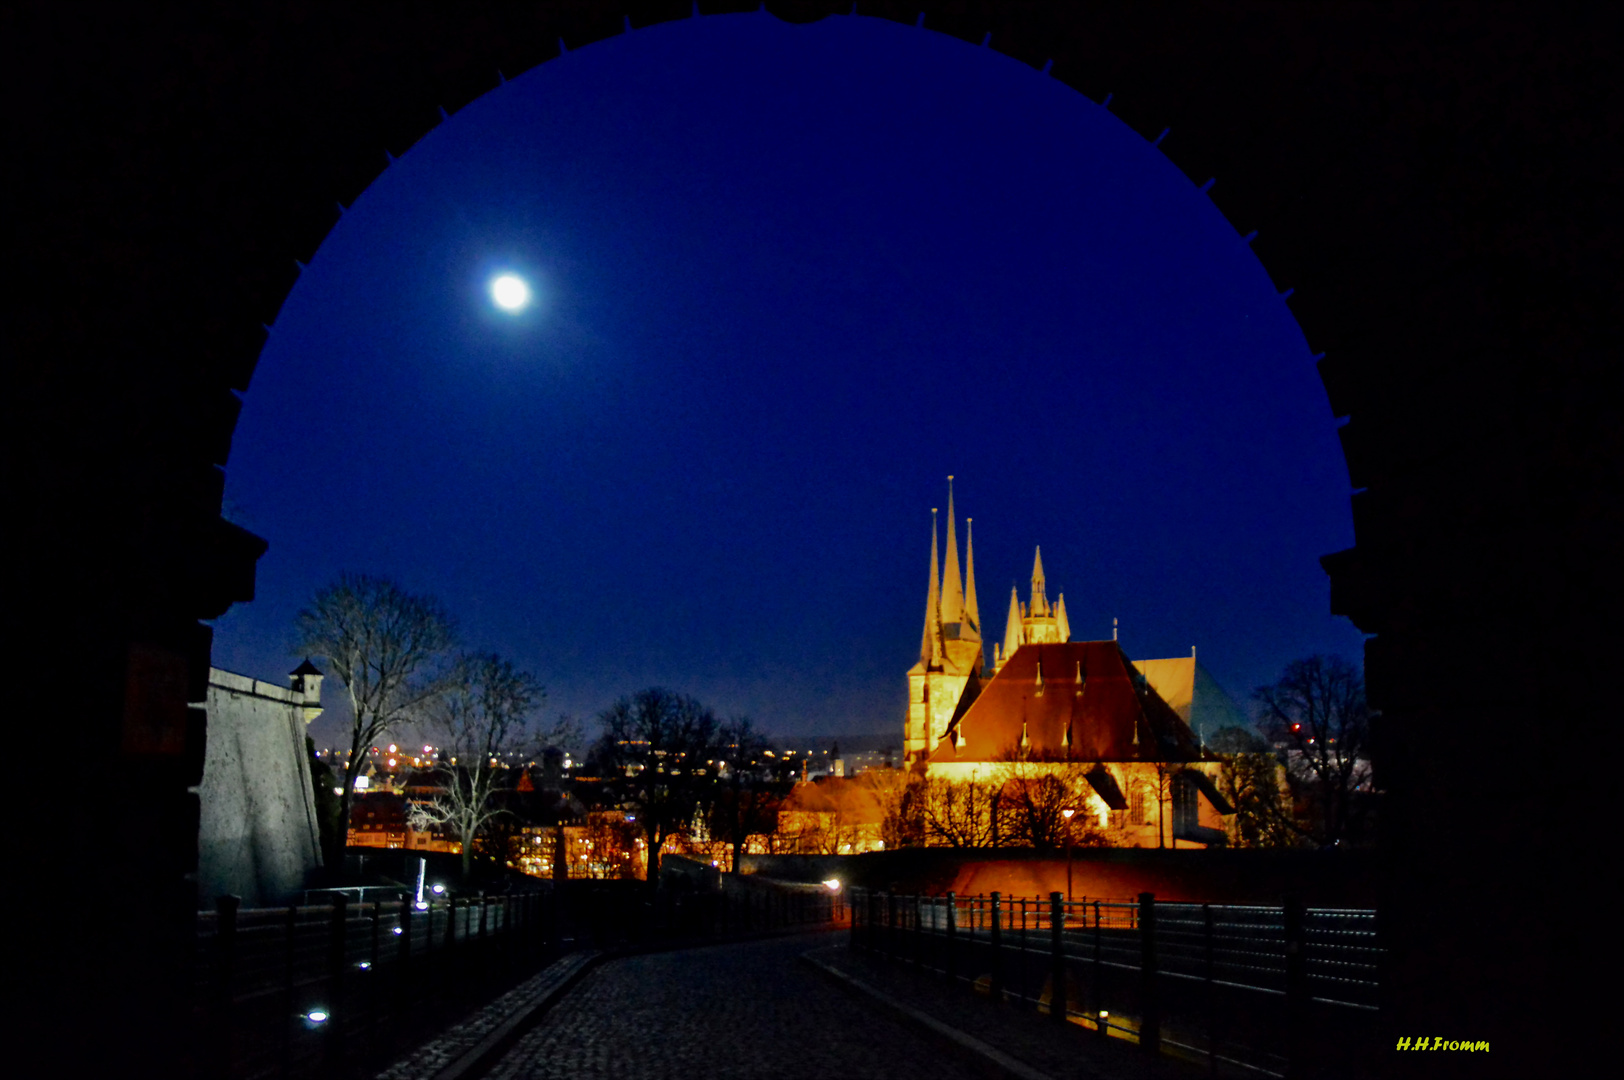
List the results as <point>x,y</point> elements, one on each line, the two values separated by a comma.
<point>510,292</point>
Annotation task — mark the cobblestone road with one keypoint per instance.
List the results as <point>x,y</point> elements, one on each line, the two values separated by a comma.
<point>751,1011</point>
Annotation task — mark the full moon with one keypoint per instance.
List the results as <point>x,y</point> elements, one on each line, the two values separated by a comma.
<point>510,292</point>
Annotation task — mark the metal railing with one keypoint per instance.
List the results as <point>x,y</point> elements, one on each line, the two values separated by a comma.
<point>301,990</point>
<point>1253,989</point>
<point>322,989</point>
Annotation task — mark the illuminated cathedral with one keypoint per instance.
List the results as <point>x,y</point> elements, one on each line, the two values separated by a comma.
<point>1128,728</point>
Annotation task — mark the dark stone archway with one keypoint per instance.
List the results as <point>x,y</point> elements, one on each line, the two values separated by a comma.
<point>1432,184</point>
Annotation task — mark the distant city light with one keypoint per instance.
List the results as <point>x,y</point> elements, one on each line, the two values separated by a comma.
<point>510,292</point>
<point>365,965</point>
<point>315,1017</point>
<point>438,889</point>
<point>832,884</point>
<point>397,931</point>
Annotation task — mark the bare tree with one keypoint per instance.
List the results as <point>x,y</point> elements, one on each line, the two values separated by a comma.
<point>960,814</point>
<point>900,795</point>
<point>1033,799</point>
<point>743,807</point>
<point>1317,713</point>
<point>1253,782</point>
<point>611,848</point>
<point>482,718</point>
<point>659,750</point>
<point>388,647</point>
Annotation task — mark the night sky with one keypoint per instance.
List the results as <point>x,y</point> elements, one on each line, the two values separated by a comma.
<point>787,279</point>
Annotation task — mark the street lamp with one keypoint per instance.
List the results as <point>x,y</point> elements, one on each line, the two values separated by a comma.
<point>1066,813</point>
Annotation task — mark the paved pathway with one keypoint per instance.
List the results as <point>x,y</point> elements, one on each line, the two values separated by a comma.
<point>1041,1046</point>
<point>749,1011</point>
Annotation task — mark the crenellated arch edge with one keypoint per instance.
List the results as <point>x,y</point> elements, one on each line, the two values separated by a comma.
<point>1428,181</point>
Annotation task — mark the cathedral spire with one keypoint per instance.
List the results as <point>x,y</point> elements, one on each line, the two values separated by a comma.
<point>1012,625</point>
<point>1040,598</point>
<point>952,582</point>
<point>1061,622</point>
<point>972,612</point>
<point>930,644</point>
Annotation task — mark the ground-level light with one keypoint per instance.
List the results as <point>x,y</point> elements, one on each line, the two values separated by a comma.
<point>832,884</point>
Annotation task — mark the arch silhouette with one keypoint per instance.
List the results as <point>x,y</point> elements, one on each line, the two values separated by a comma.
<point>1429,187</point>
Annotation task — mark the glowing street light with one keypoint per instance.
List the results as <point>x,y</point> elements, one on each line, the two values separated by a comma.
<point>1066,813</point>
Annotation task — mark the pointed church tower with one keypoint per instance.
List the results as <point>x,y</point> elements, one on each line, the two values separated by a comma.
<point>1040,623</point>
<point>972,612</point>
<point>1012,626</point>
<point>1040,596</point>
<point>952,662</point>
<point>952,582</point>
<point>930,645</point>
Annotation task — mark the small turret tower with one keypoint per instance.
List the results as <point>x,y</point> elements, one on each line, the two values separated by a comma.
<point>305,680</point>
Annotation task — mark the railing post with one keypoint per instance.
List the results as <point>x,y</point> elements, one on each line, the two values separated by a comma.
<point>995,979</point>
<point>428,937</point>
<point>448,955</point>
<point>337,1020</point>
<point>891,923</point>
<point>403,963</point>
<point>951,967</point>
<point>1102,1024</point>
<point>290,930</point>
<point>484,946</point>
<point>225,957</point>
<point>1150,1021</point>
<point>918,936</point>
<point>507,932</point>
<point>373,987</point>
<point>1057,960</point>
<point>1211,1001</point>
<point>1292,916</point>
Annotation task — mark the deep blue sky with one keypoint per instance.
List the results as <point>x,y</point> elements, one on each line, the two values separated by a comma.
<point>789,278</point>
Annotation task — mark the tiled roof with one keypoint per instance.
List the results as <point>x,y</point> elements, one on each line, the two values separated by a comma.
<point>848,796</point>
<point>1114,706</point>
